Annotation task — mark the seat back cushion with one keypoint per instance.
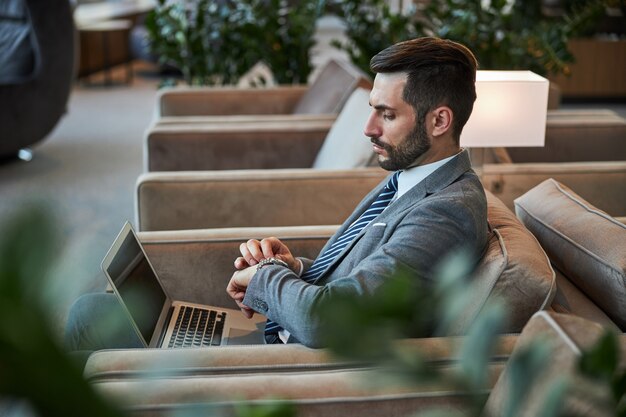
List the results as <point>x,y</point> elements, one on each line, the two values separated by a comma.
<point>331,88</point>
<point>584,243</point>
<point>514,271</point>
<point>346,146</point>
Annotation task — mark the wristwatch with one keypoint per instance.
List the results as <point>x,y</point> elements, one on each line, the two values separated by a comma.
<point>271,261</point>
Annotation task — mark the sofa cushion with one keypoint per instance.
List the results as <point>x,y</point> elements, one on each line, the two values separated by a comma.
<point>584,243</point>
<point>331,88</point>
<point>345,145</point>
<point>514,270</point>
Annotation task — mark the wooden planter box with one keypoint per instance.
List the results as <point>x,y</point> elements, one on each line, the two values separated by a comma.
<point>599,70</point>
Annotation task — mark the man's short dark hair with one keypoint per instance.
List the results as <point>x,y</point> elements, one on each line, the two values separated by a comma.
<point>440,72</point>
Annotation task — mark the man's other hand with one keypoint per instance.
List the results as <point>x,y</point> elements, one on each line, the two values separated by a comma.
<point>254,251</point>
<point>237,287</point>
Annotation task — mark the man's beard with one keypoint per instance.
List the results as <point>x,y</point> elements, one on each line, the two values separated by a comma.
<point>402,156</point>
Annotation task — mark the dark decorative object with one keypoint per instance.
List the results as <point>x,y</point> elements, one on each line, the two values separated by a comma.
<point>33,97</point>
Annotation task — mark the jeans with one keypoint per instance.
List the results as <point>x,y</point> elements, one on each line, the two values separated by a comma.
<point>97,321</point>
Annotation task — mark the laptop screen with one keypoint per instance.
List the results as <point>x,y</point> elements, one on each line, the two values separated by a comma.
<point>137,285</point>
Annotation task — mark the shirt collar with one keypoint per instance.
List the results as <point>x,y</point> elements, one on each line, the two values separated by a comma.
<point>413,176</point>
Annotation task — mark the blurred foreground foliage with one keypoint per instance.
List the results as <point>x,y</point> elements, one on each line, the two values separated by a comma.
<point>34,368</point>
<point>37,376</point>
<point>368,329</point>
<point>32,365</point>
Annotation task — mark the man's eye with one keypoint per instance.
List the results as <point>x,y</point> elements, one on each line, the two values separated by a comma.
<point>388,116</point>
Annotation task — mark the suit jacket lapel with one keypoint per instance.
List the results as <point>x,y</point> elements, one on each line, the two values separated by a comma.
<point>436,181</point>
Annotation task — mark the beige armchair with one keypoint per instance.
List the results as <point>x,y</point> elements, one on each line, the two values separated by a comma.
<point>600,183</point>
<point>316,383</point>
<point>301,142</point>
<point>210,129</point>
<point>325,96</point>
<point>575,136</point>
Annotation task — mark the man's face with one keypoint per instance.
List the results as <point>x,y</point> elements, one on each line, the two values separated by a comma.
<point>397,139</point>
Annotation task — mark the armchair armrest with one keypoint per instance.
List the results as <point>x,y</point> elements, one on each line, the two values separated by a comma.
<point>194,200</point>
<point>198,101</point>
<point>196,265</point>
<point>246,118</point>
<point>217,146</point>
<point>256,359</point>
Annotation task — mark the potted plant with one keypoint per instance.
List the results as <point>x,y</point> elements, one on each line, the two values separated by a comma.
<point>503,34</point>
<point>216,42</point>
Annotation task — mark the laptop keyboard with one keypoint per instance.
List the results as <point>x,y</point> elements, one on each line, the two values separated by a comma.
<point>197,327</point>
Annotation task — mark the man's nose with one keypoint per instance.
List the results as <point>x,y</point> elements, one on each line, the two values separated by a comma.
<point>372,130</point>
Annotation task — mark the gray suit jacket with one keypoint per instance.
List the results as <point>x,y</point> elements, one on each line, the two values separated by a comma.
<point>444,212</point>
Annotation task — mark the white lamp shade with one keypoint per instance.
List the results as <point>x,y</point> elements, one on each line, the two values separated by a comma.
<point>510,110</point>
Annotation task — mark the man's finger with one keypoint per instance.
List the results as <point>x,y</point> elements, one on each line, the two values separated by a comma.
<point>245,253</point>
<point>254,247</point>
<point>241,263</point>
<point>270,246</point>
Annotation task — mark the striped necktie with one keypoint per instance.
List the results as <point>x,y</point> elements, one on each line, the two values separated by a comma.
<point>329,255</point>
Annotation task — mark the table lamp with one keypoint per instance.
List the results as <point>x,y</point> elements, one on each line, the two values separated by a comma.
<point>510,110</point>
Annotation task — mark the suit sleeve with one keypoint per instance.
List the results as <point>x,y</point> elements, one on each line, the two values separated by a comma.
<point>414,243</point>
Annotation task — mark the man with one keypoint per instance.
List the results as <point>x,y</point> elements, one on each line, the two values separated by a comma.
<point>434,203</point>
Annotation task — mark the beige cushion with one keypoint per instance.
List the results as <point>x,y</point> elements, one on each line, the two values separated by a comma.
<point>331,88</point>
<point>345,145</point>
<point>567,336</point>
<point>569,299</point>
<point>515,270</point>
<point>586,244</point>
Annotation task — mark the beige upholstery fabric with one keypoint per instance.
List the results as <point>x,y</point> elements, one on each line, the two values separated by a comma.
<point>195,200</point>
<point>322,393</point>
<point>567,335</point>
<point>251,145</point>
<point>569,299</point>
<point>222,101</point>
<point>345,145</point>
<point>135,363</point>
<point>331,88</point>
<point>514,270</point>
<point>327,94</point>
<point>600,183</point>
<point>575,136</point>
<point>196,265</point>
<point>586,244</point>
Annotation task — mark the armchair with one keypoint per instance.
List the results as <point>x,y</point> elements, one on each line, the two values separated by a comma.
<point>318,384</point>
<point>326,95</point>
<point>600,183</point>
<point>576,136</point>
<point>196,264</point>
<point>250,143</point>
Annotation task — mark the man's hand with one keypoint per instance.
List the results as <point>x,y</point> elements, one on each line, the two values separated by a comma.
<point>254,251</point>
<point>237,288</point>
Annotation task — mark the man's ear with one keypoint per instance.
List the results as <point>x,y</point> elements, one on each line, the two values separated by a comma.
<point>441,120</point>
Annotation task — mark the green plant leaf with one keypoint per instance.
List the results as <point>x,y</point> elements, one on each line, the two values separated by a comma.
<point>524,368</point>
<point>601,360</point>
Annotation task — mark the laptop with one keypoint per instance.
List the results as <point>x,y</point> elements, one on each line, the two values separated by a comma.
<point>161,322</point>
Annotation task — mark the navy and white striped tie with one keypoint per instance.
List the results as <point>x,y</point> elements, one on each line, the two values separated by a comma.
<point>329,255</point>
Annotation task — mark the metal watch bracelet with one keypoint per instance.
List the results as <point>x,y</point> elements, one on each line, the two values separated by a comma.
<point>271,261</point>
